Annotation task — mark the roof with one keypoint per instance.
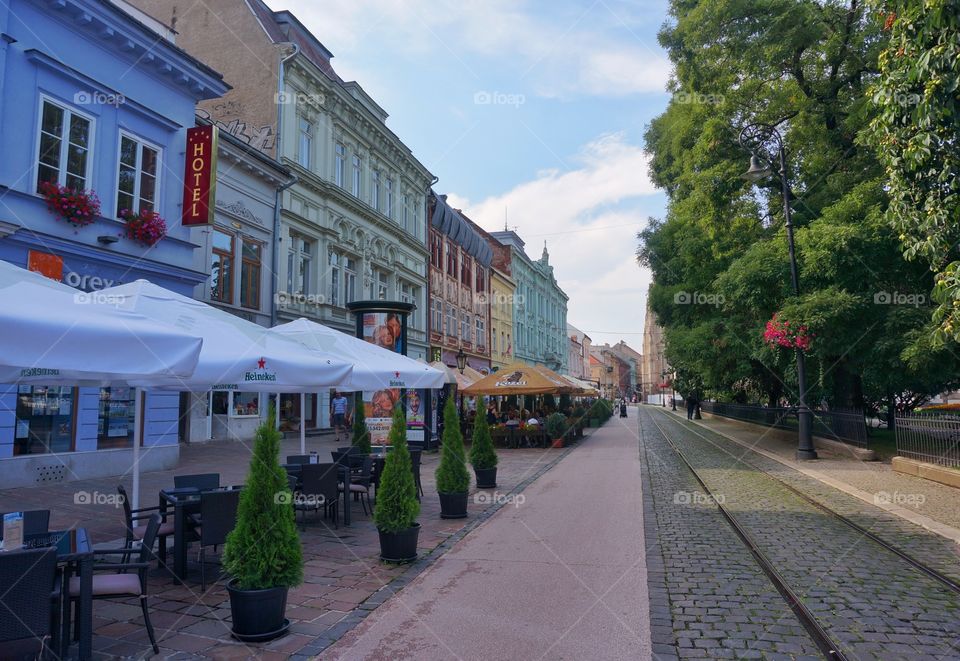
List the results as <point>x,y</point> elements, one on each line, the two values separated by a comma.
<point>283,27</point>
<point>447,220</point>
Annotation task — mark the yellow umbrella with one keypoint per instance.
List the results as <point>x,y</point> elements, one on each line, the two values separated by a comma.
<point>515,379</point>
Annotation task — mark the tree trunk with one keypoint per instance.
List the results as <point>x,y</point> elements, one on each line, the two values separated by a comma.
<point>891,412</point>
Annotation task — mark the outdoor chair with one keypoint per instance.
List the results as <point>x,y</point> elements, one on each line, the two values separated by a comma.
<point>415,466</point>
<point>360,483</point>
<point>121,582</point>
<point>293,483</point>
<point>35,522</point>
<point>135,531</point>
<point>216,519</point>
<point>319,490</point>
<point>298,458</point>
<point>201,481</point>
<point>25,615</point>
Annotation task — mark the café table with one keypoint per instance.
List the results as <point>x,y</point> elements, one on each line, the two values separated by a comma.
<point>74,553</point>
<point>185,501</point>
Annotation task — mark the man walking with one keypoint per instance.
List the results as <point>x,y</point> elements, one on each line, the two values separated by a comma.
<point>691,405</point>
<point>338,405</point>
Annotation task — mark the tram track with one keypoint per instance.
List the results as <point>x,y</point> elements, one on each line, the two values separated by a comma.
<point>833,641</point>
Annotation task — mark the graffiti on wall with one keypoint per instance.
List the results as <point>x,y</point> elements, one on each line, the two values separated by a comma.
<point>226,115</point>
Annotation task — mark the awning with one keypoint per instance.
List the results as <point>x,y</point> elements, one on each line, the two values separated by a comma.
<point>446,219</point>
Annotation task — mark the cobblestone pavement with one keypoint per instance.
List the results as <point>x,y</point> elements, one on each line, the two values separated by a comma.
<point>343,577</point>
<point>722,604</point>
<point>937,501</point>
<point>868,599</point>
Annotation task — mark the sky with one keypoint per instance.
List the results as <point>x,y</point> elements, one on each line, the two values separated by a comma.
<point>532,114</point>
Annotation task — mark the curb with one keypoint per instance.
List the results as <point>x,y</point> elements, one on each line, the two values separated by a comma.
<point>378,598</point>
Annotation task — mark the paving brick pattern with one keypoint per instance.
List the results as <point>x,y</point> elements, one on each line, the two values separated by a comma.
<point>343,576</point>
<point>721,603</point>
<point>868,599</point>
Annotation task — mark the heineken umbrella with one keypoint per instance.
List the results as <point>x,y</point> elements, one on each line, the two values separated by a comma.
<point>374,367</point>
<point>237,354</point>
<point>56,335</point>
<point>515,379</point>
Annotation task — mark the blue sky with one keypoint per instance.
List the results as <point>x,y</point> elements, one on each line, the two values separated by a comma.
<point>533,107</point>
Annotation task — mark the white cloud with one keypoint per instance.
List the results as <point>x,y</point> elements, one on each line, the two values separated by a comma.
<point>589,214</point>
<point>560,54</point>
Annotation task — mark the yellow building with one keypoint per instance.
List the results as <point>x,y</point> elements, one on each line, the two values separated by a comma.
<point>502,288</point>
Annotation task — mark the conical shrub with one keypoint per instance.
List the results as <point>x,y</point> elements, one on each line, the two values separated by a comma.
<point>452,475</point>
<point>397,506</point>
<point>361,435</point>
<point>263,550</point>
<point>482,453</point>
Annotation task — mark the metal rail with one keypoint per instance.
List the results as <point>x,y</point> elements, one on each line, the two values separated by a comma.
<point>829,648</point>
<point>929,571</point>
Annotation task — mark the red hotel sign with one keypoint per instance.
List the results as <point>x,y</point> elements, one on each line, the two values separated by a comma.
<point>200,178</point>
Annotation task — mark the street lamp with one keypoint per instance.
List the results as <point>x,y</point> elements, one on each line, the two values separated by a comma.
<point>461,360</point>
<point>755,138</point>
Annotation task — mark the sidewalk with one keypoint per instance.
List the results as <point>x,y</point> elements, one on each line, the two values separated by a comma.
<point>559,574</point>
<point>931,505</point>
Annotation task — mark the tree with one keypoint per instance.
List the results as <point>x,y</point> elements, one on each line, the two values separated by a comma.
<point>916,131</point>
<point>361,435</point>
<point>397,505</point>
<point>263,550</point>
<point>452,475</point>
<point>482,453</point>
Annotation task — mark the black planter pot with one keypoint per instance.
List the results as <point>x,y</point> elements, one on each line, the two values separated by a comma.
<point>453,505</point>
<point>399,546</point>
<point>486,477</point>
<point>258,614</point>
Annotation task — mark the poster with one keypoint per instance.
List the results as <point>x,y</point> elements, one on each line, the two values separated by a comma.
<point>378,411</point>
<point>383,329</point>
<point>415,406</point>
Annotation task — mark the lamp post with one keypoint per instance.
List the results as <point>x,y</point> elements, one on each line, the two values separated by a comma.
<point>461,360</point>
<point>755,138</point>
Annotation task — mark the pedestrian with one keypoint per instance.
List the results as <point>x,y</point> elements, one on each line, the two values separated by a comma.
<point>691,405</point>
<point>338,406</point>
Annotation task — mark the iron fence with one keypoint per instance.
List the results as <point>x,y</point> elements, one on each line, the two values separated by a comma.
<point>934,439</point>
<point>844,425</point>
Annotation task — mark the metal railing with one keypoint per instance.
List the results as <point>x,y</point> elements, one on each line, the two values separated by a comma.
<point>934,439</point>
<point>844,425</point>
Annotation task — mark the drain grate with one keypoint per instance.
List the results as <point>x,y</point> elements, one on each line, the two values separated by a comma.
<point>50,473</point>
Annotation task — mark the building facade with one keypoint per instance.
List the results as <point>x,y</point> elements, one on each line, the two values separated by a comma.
<point>634,360</point>
<point>610,372</point>
<point>502,288</point>
<point>112,120</point>
<point>655,366</point>
<point>460,273</point>
<point>353,227</point>
<point>578,352</point>
<point>539,307</point>
<point>237,252</point>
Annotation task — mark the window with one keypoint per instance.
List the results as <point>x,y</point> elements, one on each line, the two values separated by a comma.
<point>388,184</point>
<point>44,422</point>
<point>250,268</point>
<point>375,192</point>
<point>416,218</point>
<point>436,250</point>
<point>481,332</point>
<point>305,146</point>
<point>299,257</point>
<point>436,323</point>
<point>481,285</point>
<point>349,279</point>
<point>340,155</point>
<point>451,260</point>
<point>410,294</point>
<point>378,285</point>
<point>115,422</point>
<point>405,212</point>
<point>465,330</point>
<point>334,263</point>
<point>246,403</point>
<point>137,180</point>
<point>64,153</point>
<point>466,271</point>
<point>221,268</point>
<point>357,169</point>
<point>493,340</point>
<point>451,320</point>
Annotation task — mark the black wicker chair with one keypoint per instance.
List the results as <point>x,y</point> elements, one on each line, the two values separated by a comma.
<point>35,522</point>
<point>121,582</point>
<point>135,531</point>
<point>415,456</point>
<point>360,483</point>
<point>25,614</point>
<point>318,491</point>
<point>216,519</point>
<point>201,481</point>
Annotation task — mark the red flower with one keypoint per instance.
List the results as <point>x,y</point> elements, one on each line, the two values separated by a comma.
<point>77,207</point>
<point>147,227</point>
<point>778,334</point>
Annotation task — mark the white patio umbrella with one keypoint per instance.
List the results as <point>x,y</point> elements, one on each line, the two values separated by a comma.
<point>373,367</point>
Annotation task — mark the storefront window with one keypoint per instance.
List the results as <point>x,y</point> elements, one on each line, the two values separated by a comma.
<point>246,403</point>
<point>44,420</point>
<point>221,402</point>
<point>116,419</point>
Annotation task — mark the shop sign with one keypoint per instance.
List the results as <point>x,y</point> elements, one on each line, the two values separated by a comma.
<point>199,177</point>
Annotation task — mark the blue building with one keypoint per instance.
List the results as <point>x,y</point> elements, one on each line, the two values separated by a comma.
<point>94,96</point>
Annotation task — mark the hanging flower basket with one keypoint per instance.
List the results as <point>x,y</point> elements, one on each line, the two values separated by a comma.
<point>779,333</point>
<point>78,207</point>
<point>146,227</point>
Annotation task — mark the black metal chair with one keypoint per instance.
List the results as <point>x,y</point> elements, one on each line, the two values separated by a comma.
<point>360,483</point>
<point>216,519</point>
<point>318,491</point>
<point>121,582</point>
<point>415,457</point>
<point>201,481</point>
<point>135,532</point>
<point>35,522</point>
<point>25,615</point>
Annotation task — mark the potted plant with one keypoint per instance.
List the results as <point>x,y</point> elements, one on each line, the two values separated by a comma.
<point>397,506</point>
<point>145,227</point>
<point>556,428</point>
<point>482,454</point>
<point>78,207</point>
<point>361,435</point>
<point>262,553</point>
<point>453,480</point>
